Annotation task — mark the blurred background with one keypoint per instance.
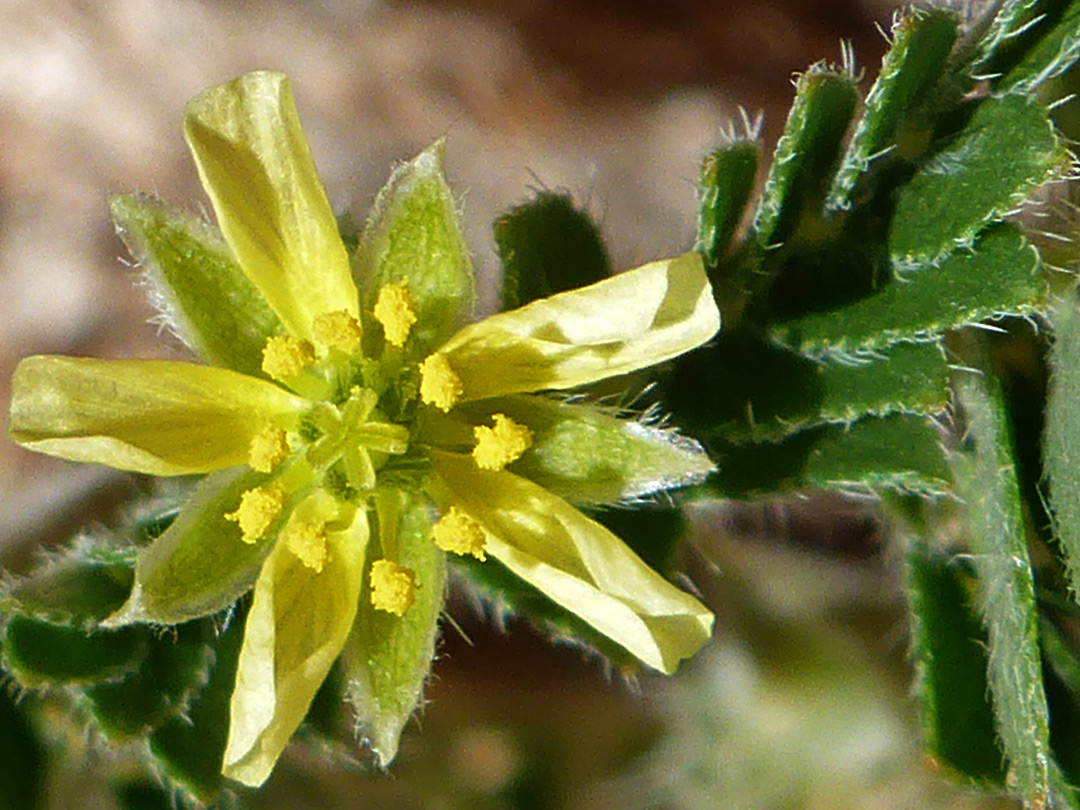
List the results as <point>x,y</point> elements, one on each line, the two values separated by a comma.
<point>803,699</point>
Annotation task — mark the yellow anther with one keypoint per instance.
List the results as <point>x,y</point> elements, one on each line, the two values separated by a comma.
<point>393,587</point>
<point>439,383</point>
<point>498,446</point>
<point>259,509</point>
<point>340,330</point>
<point>457,532</point>
<point>269,447</point>
<point>285,356</point>
<point>307,540</point>
<point>396,311</point>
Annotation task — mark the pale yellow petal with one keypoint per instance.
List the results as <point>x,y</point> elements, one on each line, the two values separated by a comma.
<point>298,623</point>
<point>575,561</point>
<point>256,166</point>
<point>633,320</point>
<point>152,416</point>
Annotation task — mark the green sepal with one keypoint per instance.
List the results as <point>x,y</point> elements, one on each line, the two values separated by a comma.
<point>388,658</point>
<point>922,40</point>
<point>41,655</point>
<point>994,526</point>
<point>22,756</point>
<point>196,283</point>
<point>727,180</point>
<point>899,452</point>
<point>743,389</point>
<point>583,453</point>
<point>1017,28</point>
<point>79,589</point>
<point>999,275</point>
<point>806,154</point>
<point>188,748</point>
<point>199,565</point>
<point>412,235</point>
<point>948,644</point>
<point>162,686</point>
<point>1005,151</point>
<point>548,245</point>
<point>1056,50</point>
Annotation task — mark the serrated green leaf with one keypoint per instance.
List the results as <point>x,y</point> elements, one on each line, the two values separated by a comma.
<point>999,275</point>
<point>196,283</point>
<point>38,654</point>
<point>1056,50</point>
<point>1061,440</point>
<point>899,452</point>
<point>949,654</point>
<point>922,40</point>
<point>412,235</point>
<point>994,522</point>
<point>199,565</point>
<point>189,749</point>
<point>388,658</point>
<point>22,757</point>
<point>162,686</point>
<point>74,590</point>
<point>1005,151</point>
<point>742,389</point>
<point>546,246</point>
<point>727,180</point>
<point>806,154</point>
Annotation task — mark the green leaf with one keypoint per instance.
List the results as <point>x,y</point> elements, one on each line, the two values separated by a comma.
<point>22,756</point>
<point>1061,440</point>
<point>742,389</point>
<point>999,275</point>
<point>1056,50</point>
<point>388,658</point>
<point>38,654</point>
<point>922,40</point>
<point>412,235</point>
<point>200,564</point>
<point>949,654</point>
<point>1007,149</point>
<point>75,590</point>
<point>806,154</point>
<point>727,180</point>
<point>196,283</point>
<point>189,748</point>
<point>583,453</point>
<point>898,452</point>
<point>161,687</point>
<point>547,246</point>
<point>987,485</point>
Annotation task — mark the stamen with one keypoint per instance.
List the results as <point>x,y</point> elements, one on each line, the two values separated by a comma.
<point>340,330</point>
<point>285,356</point>
<point>269,448</point>
<point>395,309</point>
<point>439,383</point>
<point>307,540</point>
<point>498,446</point>
<point>458,533</point>
<point>259,509</point>
<point>393,587</point>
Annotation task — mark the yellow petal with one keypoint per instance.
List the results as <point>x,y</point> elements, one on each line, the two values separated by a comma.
<point>636,319</point>
<point>256,166</point>
<point>575,561</point>
<point>298,623</point>
<point>152,416</point>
